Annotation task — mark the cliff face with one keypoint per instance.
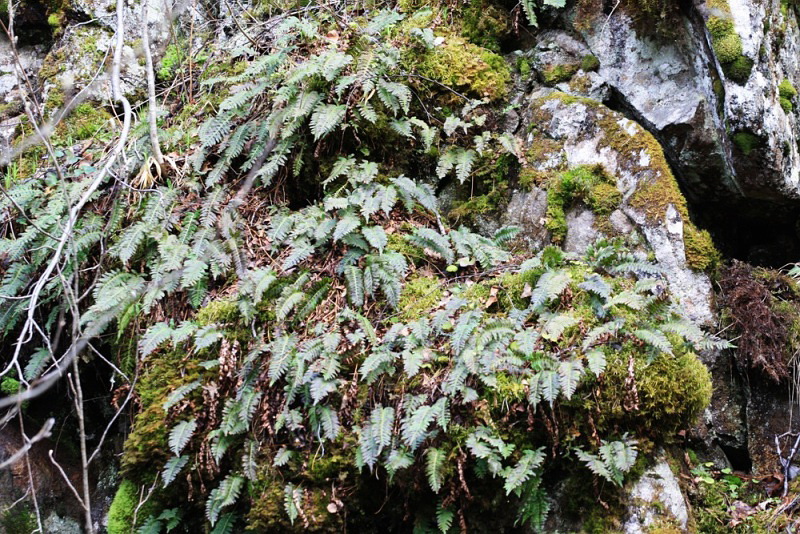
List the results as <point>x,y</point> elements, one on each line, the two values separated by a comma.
<point>668,129</point>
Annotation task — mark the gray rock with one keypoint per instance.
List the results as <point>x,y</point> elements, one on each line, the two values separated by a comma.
<point>54,524</point>
<point>580,230</point>
<point>656,497</point>
<point>585,132</point>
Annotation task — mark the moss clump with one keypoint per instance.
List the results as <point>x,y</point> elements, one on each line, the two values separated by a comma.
<point>728,46</point>
<point>19,521</point>
<point>485,24</point>
<point>701,254</point>
<point>146,448</point>
<point>671,391</point>
<point>173,57</point>
<point>9,386</point>
<point>121,512</point>
<point>218,312</point>
<point>419,296</point>
<point>589,183</point>
<point>555,74</point>
<point>604,198</point>
<point>524,67</point>
<point>590,63</point>
<point>787,92</point>
<point>84,122</point>
<point>747,142</point>
<point>462,65</point>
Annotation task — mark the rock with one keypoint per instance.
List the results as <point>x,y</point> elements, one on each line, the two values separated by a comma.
<point>61,525</point>
<point>528,210</point>
<point>581,131</point>
<point>580,231</point>
<point>654,499</point>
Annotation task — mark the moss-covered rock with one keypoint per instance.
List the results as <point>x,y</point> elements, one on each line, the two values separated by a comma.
<point>787,93</point>
<point>727,43</point>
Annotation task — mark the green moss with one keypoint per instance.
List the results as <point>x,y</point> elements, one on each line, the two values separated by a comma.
<point>123,507</point>
<point>218,312</point>
<point>84,122</point>
<point>589,183</point>
<point>485,24</point>
<point>524,67</point>
<point>590,63</point>
<point>701,254</point>
<point>464,66</point>
<point>411,252</point>
<point>604,198</point>
<point>555,74</point>
<point>727,45</point>
<point>9,386</point>
<point>787,93</point>
<point>172,59</point>
<point>146,448</point>
<point>747,142</point>
<point>671,391</point>
<point>419,296</point>
<point>18,520</point>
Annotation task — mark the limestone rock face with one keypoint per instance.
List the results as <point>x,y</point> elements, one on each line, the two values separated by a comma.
<point>585,132</point>
<point>677,89</point>
<point>654,498</point>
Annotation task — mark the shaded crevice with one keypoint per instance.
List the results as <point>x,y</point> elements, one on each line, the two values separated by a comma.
<point>762,232</point>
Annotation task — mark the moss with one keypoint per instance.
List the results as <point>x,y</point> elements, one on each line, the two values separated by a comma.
<point>413,253</point>
<point>589,183</point>
<point>20,520</point>
<point>9,386</point>
<point>590,63</point>
<point>787,93</point>
<point>146,448</point>
<point>84,122</point>
<point>480,204</point>
<point>485,24</point>
<point>419,296</point>
<point>173,57</point>
<point>739,70</point>
<point>580,83</point>
<point>218,312</point>
<point>658,188</point>
<point>528,178</point>
<point>747,142</point>
<point>524,67</point>
<point>464,66</point>
<point>727,45</point>
<point>555,74</point>
<point>123,507</point>
<point>701,254</point>
<point>672,391</point>
<point>604,198</point>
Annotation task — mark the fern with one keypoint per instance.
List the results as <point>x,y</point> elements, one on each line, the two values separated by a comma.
<point>549,285</point>
<point>155,336</point>
<point>223,496</point>
<point>415,426</point>
<point>525,469</point>
<point>180,435</point>
<point>434,468</point>
<point>180,393</point>
<point>444,518</point>
<point>172,469</point>
<point>292,497</point>
<point>381,422</point>
<point>326,118</point>
<point>282,351</point>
